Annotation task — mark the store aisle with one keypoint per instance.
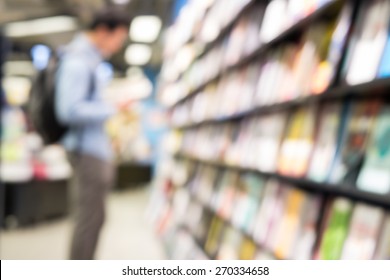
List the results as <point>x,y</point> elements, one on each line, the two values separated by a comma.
<point>126,234</point>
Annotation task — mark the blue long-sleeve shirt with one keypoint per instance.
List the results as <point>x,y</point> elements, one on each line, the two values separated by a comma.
<point>83,111</point>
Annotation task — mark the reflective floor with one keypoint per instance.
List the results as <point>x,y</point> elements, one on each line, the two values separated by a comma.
<point>126,234</point>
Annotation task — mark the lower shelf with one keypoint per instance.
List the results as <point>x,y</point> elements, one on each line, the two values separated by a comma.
<point>229,223</point>
<point>30,202</point>
<point>347,191</point>
<point>131,174</point>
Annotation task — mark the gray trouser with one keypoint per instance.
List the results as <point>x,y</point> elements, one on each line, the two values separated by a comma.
<point>91,182</point>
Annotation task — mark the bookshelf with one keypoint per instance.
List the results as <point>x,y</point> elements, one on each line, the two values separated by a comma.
<point>197,242</point>
<point>376,88</point>
<point>228,223</point>
<point>224,31</point>
<point>347,191</point>
<point>298,27</point>
<point>293,113</point>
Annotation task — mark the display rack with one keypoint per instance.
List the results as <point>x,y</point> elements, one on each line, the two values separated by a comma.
<point>209,209</point>
<point>197,242</point>
<point>224,31</point>
<point>338,91</point>
<point>347,191</point>
<point>298,27</point>
<point>376,88</point>
<point>34,176</point>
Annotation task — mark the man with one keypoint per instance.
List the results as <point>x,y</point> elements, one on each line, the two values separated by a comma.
<point>80,106</point>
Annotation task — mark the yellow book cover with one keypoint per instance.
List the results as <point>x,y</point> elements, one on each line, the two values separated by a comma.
<point>214,235</point>
<point>290,224</point>
<point>247,250</point>
<point>297,145</point>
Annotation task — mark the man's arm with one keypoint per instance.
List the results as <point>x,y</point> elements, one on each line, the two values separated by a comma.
<point>72,106</point>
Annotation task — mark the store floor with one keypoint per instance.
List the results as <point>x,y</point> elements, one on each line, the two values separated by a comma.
<point>126,234</point>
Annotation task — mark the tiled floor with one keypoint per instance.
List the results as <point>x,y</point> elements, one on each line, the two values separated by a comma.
<point>126,234</point>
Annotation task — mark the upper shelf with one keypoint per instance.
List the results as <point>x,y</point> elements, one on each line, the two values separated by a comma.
<point>321,13</point>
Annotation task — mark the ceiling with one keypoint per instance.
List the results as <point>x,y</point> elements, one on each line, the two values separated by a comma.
<point>16,10</point>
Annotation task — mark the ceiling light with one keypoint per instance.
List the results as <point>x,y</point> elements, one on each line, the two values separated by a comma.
<point>145,29</point>
<point>41,26</point>
<point>138,54</point>
<point>121,2</point>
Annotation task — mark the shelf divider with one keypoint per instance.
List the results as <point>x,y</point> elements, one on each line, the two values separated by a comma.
<point>375,88</point>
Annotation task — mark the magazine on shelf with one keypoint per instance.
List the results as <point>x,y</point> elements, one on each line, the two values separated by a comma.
<point>234,50</point>
<point>308,57</point>
<point>336,229</point>
<point>255,19</point>
<point>247,144</point>
<point>286,88</point>
<point>375,173</point>
<point>353,143</point>
<point>266,210</point>
<point>262,254</point>
<point>247,200</point>
<point>290,223</point>
<point>214,235</point>
<point>384,67</point>
<point>298,142</point>
<point>383,246</point>
<point>269,140</point>
<point>247,88</point>
<point>234,151</point>
<point>270,213</point>
<point>363,233</point>
<point>307,234</point>
<point>269,81</point>
<point>223,198</point>
<point>201,229</point>
<point>275,221</point>
<point>206,184</point>
<point>274,21</point>
<point>369,42</point>
<point>327,69</point>
<point>229,247</point>
<point>195,211</point>
<point>248,249</point>
<point>325,146</point>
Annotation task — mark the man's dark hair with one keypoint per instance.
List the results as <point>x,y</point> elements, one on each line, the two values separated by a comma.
<point>111,18</point>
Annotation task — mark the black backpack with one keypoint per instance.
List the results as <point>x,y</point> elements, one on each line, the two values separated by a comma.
<point>41,105</point>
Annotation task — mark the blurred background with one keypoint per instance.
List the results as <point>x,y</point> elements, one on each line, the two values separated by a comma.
<point>257,129</point>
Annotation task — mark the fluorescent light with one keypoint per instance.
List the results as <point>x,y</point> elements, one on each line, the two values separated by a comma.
<point>138,54</point>
<point>41,26</point>
<point>145,29</point>
<point>121,2</point>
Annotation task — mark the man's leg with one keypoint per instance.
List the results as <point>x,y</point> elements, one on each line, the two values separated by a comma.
<point>92,181</point>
